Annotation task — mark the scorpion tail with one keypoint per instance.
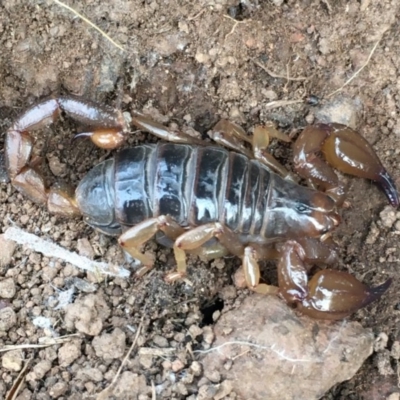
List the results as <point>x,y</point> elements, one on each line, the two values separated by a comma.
<point>336,295</point>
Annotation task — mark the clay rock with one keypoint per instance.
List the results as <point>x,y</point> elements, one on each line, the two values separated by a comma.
<point>269,351</point>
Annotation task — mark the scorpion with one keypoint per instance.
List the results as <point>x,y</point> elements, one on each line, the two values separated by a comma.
<point>205,199</point>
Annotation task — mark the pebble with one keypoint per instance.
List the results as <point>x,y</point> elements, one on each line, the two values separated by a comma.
<point>7,250</point>
<point>195,367</point>
<point>7,288</point>
<point>195,331</point>
<point>224,389</point>
<point>69,352</point>
<point>208,334</point>
<point>39,370</point>
<point>213,376</point>
<point>177,365</point>
<point>388,216</point>
<point>160,341</point>
<point>93,374</point>
<point>8,319</point>
<point>58,389</point>
<point>85,249</point>
<point>110,345</point>
<point>12,360</point>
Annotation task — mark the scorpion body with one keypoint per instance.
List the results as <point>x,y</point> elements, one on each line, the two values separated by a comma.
<point>208,200</point>
<point>194,185</point>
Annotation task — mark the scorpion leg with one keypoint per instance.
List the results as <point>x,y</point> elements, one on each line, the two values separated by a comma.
<point>197,237</point>
<point>232,136</point>
<point>135,237</point>
<point>193,239</point>
<point>329,294</point>
<point>161,131</point>
<point>345,150</point>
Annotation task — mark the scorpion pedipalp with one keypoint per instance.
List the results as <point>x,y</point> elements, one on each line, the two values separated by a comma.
<point>329,294</point>
<point>107,131</point>
<point>345,150</point>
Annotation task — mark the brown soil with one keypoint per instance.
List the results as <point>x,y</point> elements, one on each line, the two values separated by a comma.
<point>190,63</point>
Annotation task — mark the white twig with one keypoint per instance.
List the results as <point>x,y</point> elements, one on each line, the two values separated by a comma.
<point>50,249</point>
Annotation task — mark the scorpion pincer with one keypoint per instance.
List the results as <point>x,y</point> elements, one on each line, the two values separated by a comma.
<point>213,201</point>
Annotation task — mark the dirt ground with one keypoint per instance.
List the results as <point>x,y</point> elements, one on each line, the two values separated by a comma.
<point>188,63</point>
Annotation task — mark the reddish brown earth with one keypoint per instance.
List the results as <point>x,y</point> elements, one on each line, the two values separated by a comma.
<point>188,63</point>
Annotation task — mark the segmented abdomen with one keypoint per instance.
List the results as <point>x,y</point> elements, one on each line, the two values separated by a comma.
<point>195,185</point>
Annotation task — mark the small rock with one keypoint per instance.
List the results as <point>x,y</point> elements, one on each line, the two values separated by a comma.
<point>39,370</point>
<point>92,374</point>
<point>228,292</point>
<point>213,376</point>
<point>130,386</point>
<point>395,351</point>
<point>195,331</point>
<point>58,390</point>
<point>282,343</point>
<point>207,392</point>
<point>87,314</point>
<point>56,167</point>
<point>341,110</point>
<point>229,89</point>
<point>216,315</point>
<point>224,389</point>
<point>383,363</point>
<point>69,352</point>
<point>110,345</point>
<point>269,94</point>
<point>85,249</point>
<point>208,334</point>
<point>7,288</point>
<point>381,342</point>
<point>388,216</point>
<point>160,341</point>
<point>12,360</point>
<point>7,250</point>
<point>177,365</point>
<point>202,58</point>
<point>195,368</point>
<point>8,319</point>
<point>146,361</point>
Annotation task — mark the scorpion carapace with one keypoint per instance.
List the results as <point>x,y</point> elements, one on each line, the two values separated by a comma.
<point>211,201</point>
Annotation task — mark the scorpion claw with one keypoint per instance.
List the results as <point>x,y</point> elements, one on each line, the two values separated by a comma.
<point>336,294</point>
<point>347,151</point>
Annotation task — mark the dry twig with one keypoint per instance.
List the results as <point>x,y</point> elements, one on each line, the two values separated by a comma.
<point>358,71</point>
<point>45,342</point>
<point>104,394</point>
<point>236,23</point>
<point>90,23</point>
<point>274,75</point>
<point>13,393</point>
